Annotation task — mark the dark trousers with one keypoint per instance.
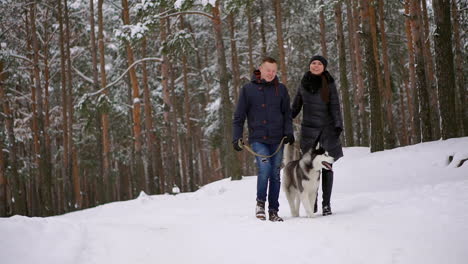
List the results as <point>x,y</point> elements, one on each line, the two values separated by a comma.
<point>327,186</point>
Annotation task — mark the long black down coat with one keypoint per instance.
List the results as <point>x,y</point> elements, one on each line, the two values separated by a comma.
<point>319,116</point>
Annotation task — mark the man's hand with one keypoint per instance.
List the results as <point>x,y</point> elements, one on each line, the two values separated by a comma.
<point>237,144</point>
<point>289,139</point>
<point>338,131</point>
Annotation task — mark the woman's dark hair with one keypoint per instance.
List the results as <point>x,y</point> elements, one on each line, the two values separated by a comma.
<point>324,92</point>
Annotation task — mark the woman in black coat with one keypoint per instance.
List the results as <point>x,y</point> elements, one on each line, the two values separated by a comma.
<point>318,96</point>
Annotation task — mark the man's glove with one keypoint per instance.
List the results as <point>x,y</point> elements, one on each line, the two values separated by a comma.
<point>289,139</point>
<point>338,131</point>
<point>237,144</point>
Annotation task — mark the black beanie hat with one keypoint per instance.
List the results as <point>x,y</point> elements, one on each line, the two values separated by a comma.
<point>321,59</point>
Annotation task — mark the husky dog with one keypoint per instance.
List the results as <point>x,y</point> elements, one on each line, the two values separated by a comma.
<point>301,178</point>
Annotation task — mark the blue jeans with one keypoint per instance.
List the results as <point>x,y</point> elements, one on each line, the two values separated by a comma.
<point>268,173</point>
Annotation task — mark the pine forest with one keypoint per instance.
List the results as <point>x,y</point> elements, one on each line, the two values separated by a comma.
<point>103,100</point>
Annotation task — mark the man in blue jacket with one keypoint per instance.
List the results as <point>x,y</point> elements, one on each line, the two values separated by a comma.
<point>266,105</point>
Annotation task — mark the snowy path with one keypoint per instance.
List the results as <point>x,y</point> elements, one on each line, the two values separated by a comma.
<point>399,206</point>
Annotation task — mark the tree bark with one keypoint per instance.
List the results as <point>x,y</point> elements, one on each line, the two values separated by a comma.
<point>262,29</point>
<point>354,74</point>
<point>390,133</point>
<point>430,78</point>
<point>136,110</point>
<point>368,27</point>
<point>444,67</point>
<point>411,89</point>
<point>421,84</point>
<point>323,39</point>
<point>106,145</point>
<point>231,164</point>
<point>44,178</point>
<point>360,97</point>
<point>4,203</point>
<point>348,123</point>
<point>154,157</point>
<point>168,113</point>
<point>461,102</point>
<point>250,35</point>
<point>234,58</point>
<point>63,78</point>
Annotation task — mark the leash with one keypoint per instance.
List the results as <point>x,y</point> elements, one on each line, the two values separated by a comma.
<point>249,149</point>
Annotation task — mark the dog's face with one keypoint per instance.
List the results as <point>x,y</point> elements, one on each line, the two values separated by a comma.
<point>317,159</point>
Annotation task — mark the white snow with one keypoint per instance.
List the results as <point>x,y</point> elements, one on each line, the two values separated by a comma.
<point>406,205</point>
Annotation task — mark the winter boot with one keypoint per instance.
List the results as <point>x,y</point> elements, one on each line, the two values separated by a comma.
<point>326,210</point>
<point>260,210</point>
<point>274,216</point>
<point>327,186</point>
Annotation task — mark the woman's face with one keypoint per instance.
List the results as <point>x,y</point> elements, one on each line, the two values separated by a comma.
<point>316,67</point>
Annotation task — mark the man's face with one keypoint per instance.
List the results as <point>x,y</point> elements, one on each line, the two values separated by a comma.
<point>268,71</point>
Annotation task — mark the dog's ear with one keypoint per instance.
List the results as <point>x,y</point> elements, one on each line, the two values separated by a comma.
<point>317,141</point>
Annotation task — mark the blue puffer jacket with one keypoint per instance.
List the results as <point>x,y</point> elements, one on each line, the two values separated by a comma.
<point>266,105</point>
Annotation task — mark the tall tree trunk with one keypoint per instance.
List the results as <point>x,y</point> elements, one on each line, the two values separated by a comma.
<point>360,98</point>
<point>48,144</point>
<point>323,39</point>
<point>348,123</point>
<point>165,183</point>
<point>421,84</point>
<point>413,102</point>
<point>444,67</point>
<point>234,57</point>
<point>354,78</point>
<point>280,41</point>
<point>63,77</point>
<point>154,157</point>
<point>3,179</point>
<point>18,204</point>
<point>4,203</point>
<point>262,29</point>
<point>430,78</point>
<point>231,164</point>
<point>404,131</point>
<point>136,110</point>
<point>106,145</point>
<point>369,28</point>
<point>44,180</point>
<point>289,151</point>
<point>188,122</point>
<point>461,98</point>
<point>94,60</point>
<point>250,35</point>
<point>75,177</point>
<point>390,133</point>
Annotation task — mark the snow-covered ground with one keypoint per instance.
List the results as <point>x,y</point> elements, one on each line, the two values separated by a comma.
<point>407,205</point>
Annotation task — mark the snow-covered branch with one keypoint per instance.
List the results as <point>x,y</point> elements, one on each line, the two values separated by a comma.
<point>83,76</point>
<point>123,74</point>
<point>189,13</point>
